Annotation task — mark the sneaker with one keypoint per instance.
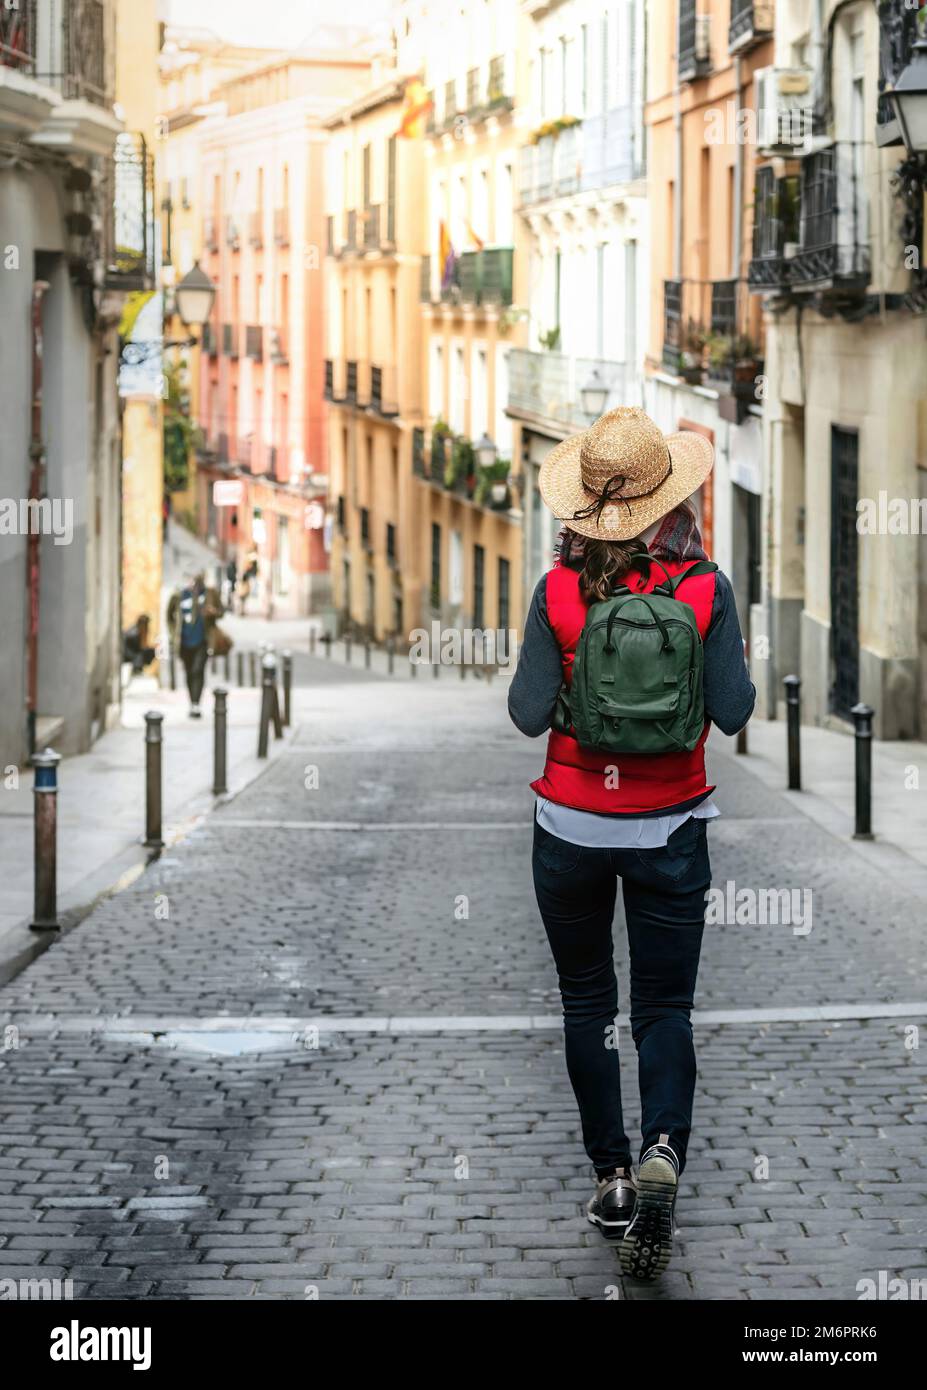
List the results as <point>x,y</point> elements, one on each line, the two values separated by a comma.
<point>611,1207</point>
<point>648,1241</point>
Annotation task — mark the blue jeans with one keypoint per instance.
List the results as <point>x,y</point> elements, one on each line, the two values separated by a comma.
<point>664,902</point>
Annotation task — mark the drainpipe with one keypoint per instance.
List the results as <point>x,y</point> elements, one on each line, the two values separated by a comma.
<point>737,228</point>
<point>36,492</point>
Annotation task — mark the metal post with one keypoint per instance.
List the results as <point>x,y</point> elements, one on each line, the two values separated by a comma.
<point>172,664</point>
<point>227,666</point>
<point>153,741</point>
<point>327,639</point>
<point>463,668</point>
<point>436,668</point>
<point>45,799</point>
<point>862,718</point>
<point>367,653</point>
<point>390,654</point>
<point>252,668</point>
<point>793,716</point>
<point>742,740</point>
<point>347,647</point>
<point>287,687</point>
<point>268,699</point>
<point>413,667</point>
<point>312,641</point>
<point>220,759</point>
<point>240,668</point>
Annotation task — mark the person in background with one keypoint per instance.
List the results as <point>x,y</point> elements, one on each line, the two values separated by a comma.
<point>192,614</point>
<point>136,649</point>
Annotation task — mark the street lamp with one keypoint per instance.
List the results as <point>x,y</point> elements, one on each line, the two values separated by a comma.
<point>194,296</point>
<point>909,98</point>
<point>486,452</point>
<point>594,395</point>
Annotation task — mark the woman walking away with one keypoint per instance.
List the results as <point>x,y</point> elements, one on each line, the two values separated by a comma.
<point>632,649</point>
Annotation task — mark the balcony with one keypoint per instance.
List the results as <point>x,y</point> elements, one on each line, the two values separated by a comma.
<point>383,390</point>
<point>362,383</point>
<point>580,158</point>
<point>256,230</point>
<point>210,341</point>
<point>371,218</point>
<point>350,383</point>
<point>76,41</point>
<point>752,21</point>
<point>245,453</point>
<point>230,340</point>
<point>223,448</point>
<point>418,453</point>
<point>547,385</point>
<point>211,233</point>
<point>775,231</point>
<point>130,232</point>
<point>485,277</point>
<point>335,388</point>
<point>254,342</point>
<point>277,346</point>
<point>282,226</point>
<point>833,251</point>
<point>498,95</point>
<point>693,55</point>
<point>232,234</point>
<point>712,335</point>
<point>424,281</point>
<point>350,238</point>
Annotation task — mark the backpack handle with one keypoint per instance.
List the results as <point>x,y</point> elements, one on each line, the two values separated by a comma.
<point>697,567</point>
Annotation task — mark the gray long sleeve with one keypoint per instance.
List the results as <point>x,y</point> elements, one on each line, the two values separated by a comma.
<point>729,692</point>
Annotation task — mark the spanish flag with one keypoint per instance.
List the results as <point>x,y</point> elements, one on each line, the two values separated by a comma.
<point>415,108</point>
<point>476,241</point>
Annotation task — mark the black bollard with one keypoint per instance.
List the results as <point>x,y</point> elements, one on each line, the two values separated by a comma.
<point>240,668</point>
<point>367,653</point>
<point>742,740</point>
<point>252,668</point>
<point>153,741</point>
<point>793,717</point>
<point>436,668</point>
<point>390,654</point>
<point>268,701</point>
<point>45,803</point>
<point>220,747</point>
<point>413,666</point>
<point>312,641</point>
<point>862,719</point>
<point>327,639</point>
<point>227,666</point>
<point>347,647</point>
<point>172,664</point>
<point>287,687</point>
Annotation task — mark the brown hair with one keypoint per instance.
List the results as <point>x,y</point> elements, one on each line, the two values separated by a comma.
<point>605,563</point>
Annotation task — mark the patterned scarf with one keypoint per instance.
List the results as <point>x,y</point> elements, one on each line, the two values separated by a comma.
<point>678,539</point>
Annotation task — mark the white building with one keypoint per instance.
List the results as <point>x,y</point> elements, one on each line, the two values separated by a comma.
<point>580,192</point>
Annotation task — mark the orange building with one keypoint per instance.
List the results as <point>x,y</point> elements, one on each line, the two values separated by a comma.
<point>260,199</point>
<point>705,363</point>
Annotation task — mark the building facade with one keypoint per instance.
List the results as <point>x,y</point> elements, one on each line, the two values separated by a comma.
<point>261,376</point>
<point>705,360</point>
<point>581,206</point>
<point>77,241</point>
<point>838,264</point>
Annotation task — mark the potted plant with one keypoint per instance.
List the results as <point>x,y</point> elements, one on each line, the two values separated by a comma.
<point>719,351</point>
<point>492,487</point>
<point>550,341</point>
<point>748,365</point>
<point>440,434</point>
<point>692,352</point>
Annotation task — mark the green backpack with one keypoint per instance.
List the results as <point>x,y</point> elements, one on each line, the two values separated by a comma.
<point>637,671</point>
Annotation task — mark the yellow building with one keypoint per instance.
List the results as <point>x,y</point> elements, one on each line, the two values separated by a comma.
<point>375,234</point>
<point>474,277</point>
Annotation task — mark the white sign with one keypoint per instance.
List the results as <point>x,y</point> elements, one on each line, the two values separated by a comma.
<point>227,492</point>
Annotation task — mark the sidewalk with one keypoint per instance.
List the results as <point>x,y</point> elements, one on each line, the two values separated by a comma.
<point>340,1050</point>
<point>101,805</point>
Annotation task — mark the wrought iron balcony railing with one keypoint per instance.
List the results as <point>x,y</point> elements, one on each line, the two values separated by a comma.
<point>230,341</point>
<point>383,390</point>
<point>712,333</point>
<point>254,342</point>
<point>775,230</point>
<point>350,388</point>
<point>834,222</point>
<point>602,150</point>
<point>898,32</point>
<point>372,227</point>
<point>497,94</point>
<point>418,452</point>
<point>424,281</point>
<point>548,385</point>
<point>752,21</point>
<point>277,346</point>
<point>486,276</point>
<point>692,42</point>
<point>131,241</point>
<point>87,48</point>
<point>328,390</point>
<point>18,35</point>
<point>350,238</point>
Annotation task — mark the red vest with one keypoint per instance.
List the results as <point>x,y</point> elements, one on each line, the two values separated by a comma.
<point>579,777</point>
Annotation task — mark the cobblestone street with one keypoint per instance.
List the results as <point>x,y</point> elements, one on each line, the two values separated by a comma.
<point>285,1060</point>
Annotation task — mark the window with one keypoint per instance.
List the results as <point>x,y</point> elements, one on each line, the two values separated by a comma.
<point>503,594</point>
<point>435,565</point>
<point>479,584</point>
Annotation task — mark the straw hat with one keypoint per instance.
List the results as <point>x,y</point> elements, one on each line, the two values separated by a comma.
<point>621,475</point>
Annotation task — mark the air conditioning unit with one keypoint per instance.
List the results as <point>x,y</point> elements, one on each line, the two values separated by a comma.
<point>784,103</point>
<point>703,38</point>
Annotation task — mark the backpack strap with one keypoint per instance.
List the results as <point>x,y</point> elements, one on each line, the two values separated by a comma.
<point>697,567</point>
